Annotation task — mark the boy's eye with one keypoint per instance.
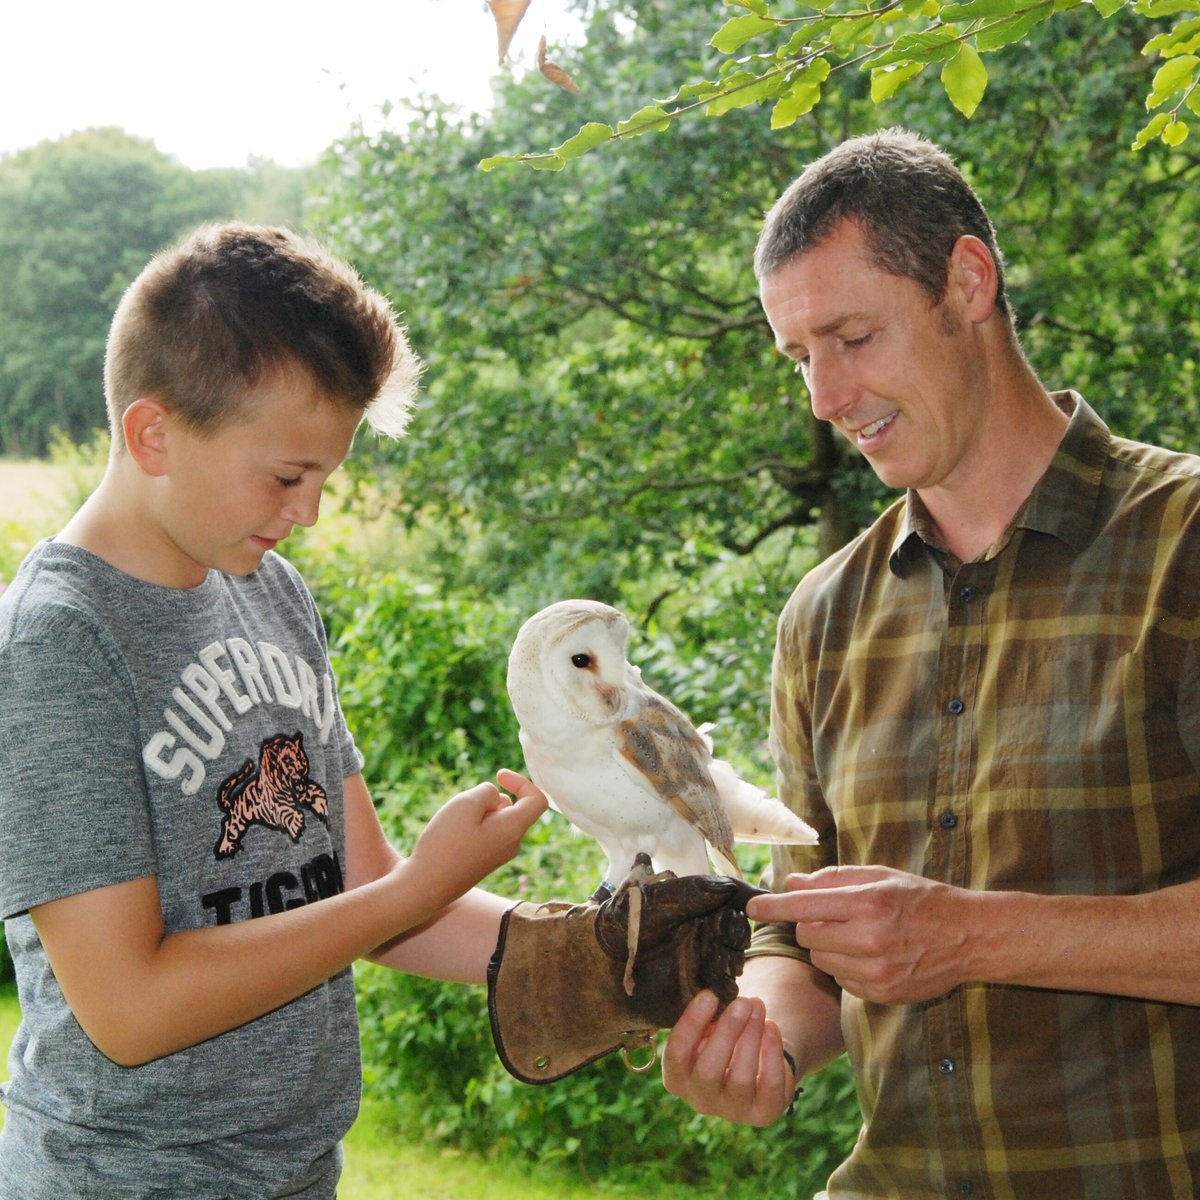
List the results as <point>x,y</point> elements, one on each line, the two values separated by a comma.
<point>288,483</point>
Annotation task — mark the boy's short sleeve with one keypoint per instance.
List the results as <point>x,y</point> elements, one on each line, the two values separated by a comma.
<point>73,814</point>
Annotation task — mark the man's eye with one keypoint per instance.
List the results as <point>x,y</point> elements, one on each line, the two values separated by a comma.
<point>581,660</point>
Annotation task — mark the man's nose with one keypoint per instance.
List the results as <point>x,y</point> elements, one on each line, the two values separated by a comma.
<point>828,389</point>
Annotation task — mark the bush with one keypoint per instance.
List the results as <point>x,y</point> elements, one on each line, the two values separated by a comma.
<point>420,675</point>
<point>421,679</point>
<point>6,966</point>
<point>428,1052</point>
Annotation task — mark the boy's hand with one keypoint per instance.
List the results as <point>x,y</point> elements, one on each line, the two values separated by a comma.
<point>472,834</point>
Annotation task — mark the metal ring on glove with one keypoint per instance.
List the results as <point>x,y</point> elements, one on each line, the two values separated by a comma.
<point>630,1064</point>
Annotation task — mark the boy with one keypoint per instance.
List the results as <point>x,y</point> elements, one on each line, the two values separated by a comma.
<point>174,761</point>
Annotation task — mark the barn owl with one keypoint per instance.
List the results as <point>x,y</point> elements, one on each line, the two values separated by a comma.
<point>620,762</point>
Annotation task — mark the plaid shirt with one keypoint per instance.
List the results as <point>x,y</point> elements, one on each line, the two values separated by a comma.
<point>1027,721</point>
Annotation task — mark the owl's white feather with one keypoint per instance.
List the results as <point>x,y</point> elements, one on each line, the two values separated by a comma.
<point>620,762</point>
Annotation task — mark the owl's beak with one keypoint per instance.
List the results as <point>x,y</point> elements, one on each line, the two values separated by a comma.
<point>609,694</point>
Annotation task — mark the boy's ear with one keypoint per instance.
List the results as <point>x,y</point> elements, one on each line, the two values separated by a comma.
<point>145,423</point>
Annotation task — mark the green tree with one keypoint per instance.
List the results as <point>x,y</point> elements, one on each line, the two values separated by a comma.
<point>79,218</point>
<point>603,402</point>
<point>788,55</point>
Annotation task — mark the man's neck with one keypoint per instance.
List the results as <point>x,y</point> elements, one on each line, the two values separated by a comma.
<point>974,512</point>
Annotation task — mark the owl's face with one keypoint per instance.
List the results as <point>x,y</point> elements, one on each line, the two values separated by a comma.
<point>569,659</point>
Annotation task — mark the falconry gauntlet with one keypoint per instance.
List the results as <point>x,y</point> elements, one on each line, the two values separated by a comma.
<point>569,984</point>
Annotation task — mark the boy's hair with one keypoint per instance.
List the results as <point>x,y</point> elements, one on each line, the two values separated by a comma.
<point>905,194</point>
<point>231,305</point>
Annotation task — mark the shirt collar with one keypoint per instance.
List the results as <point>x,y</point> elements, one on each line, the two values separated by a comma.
<point>1062,502</point>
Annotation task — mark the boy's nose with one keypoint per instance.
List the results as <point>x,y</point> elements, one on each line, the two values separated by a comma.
<point>303,509</point>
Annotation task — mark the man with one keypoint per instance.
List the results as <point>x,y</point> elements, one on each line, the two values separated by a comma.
<point>988,705</point>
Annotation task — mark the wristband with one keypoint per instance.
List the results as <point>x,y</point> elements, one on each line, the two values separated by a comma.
<point>791,1062</point>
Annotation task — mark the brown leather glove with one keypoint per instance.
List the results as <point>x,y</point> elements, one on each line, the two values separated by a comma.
<point>569,984</point>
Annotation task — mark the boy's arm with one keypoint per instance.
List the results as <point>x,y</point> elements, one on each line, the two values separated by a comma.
<point>140,993</point>
<point>455,943</point>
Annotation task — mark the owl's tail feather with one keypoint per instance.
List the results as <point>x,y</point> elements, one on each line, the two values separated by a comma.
<point>757,816</point>
<point>725,863</point>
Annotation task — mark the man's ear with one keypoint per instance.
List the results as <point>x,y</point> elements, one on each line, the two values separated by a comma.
<point>973,271</point>
<point>145,424</point>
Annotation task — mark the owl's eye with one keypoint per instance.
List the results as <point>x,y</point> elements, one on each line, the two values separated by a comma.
<point>581,660</point>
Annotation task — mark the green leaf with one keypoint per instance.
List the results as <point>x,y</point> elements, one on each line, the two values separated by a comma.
<point>545,162</point>
<point>1151,130</point>
<point>1183,39</point>
<point>887,82</point>
<point>589,137</point>
<point>1163,8</point>
<point>1109,8</point>
<point>1176,133</point>
<point>849,30</point>
<point>965,79</point>
<point>743,89</point>
<point>1173,76</point>
<point>931,45</point>
<point>980,8</point>
<point>757,6</point>
<point>803,94</point>
<point>499,160</point>
<point>795,104</point>
<point>803,38</point>
<point>1014,29</point>
<point>702,89</point>
<point>739,30</point>
<point>650,119</point>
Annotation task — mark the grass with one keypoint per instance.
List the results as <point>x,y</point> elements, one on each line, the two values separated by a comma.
<point>32,493</point>
<point>380,1164</point>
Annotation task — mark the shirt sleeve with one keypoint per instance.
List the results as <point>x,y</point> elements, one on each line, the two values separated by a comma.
<point>73,810</point>
<point>796,779</point>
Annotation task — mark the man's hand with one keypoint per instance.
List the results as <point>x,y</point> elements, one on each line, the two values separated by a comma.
<point>731,1064</point>
<point>882,934</point>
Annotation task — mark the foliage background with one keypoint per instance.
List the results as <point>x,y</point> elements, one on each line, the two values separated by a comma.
<point>603,414</point>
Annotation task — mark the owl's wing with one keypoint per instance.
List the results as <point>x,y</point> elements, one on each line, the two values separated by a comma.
<point>666,752</point>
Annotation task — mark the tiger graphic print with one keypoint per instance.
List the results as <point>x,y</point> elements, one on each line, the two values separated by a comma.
<point>271,797</point>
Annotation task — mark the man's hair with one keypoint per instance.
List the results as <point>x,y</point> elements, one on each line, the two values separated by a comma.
<point>234,304</point>
<point>907,197</point>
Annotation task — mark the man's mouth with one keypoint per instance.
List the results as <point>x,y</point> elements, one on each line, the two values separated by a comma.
<point>866,432</point>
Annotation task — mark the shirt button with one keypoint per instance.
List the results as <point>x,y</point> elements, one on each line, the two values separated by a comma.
<point>967,594</point>
<point>956,707</point>
<point>947,820</point>
<point>946,1066</point>
<point>965,1187</point>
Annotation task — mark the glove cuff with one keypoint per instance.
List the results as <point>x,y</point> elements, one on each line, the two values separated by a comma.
<point>555,999</point>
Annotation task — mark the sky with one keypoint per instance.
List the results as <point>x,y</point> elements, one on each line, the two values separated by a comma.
<point>218,82</point>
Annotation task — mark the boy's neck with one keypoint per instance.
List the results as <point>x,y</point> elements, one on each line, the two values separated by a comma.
<point>114,525</point>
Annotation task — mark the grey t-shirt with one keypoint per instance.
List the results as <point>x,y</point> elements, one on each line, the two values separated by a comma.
<point>193,735</point>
